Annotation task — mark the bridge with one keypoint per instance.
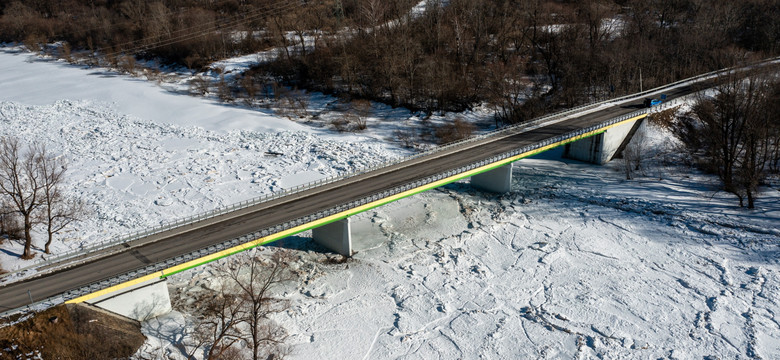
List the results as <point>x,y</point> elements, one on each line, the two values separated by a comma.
<point>105,274</point>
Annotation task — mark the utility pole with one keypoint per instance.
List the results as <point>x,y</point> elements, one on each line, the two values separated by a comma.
<point>640,79</point>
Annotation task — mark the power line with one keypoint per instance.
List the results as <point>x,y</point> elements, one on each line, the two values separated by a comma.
<point>200,30</point>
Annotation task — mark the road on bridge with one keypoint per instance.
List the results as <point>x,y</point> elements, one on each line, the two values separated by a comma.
<point>189,238</point>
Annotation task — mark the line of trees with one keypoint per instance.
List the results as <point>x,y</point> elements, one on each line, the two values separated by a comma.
<point>185,32</point>
<point>193,33</point>
<point>735,133</point>
<point>523,58</point>
<point>31,181</point>
<point>555,53</point>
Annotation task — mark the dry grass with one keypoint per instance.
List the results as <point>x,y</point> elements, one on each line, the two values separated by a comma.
<point>664,119</point>
<point>72,332</point>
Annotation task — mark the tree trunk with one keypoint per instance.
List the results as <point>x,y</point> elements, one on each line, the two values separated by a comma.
<point>48,241</point>
<point>27,254</point>
<point>255,335</point>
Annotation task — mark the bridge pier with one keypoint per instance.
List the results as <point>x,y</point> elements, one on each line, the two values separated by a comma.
<point>601,148</point>
<point>336,236</point>
<point>498,180</point>
<point>141,302</point>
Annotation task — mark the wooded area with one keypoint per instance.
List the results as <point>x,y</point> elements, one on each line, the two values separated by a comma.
<point>556,53</point>
<point>452,56</point>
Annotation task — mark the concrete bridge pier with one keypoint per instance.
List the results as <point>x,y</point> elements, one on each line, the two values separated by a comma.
<point>498,180</point>
<point>336,236</point>
<point>141,301</point>
<point>601,148</point>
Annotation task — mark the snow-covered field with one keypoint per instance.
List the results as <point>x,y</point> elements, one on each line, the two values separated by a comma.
<point>576,262</point>
<point>140,155</point>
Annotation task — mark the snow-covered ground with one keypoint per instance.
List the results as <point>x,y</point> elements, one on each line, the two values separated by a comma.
<point>575,262</point>
<point>140,155</point>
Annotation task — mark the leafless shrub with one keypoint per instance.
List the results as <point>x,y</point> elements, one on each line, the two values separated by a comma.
<point>199,86</point>
<point>66,52</point>
<point>224,92</point>
<point>248,84</point>
<point>34,42</point>
<point>406,138</point>
<point>361,109</point>
<point>292,104</point>
<point>127,64</point>
<point>349,121</point>
<point>457,130</point>
<point>341,124</point>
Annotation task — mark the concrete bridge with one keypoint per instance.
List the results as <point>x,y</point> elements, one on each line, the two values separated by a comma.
<point>128,277</point>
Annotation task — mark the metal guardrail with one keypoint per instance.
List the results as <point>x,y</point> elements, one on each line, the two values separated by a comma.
<point>114,280</point>
<point>98,249</point>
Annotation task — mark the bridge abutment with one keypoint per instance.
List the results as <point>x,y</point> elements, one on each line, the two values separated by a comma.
<point>603,147</point>
<point>141,302</point>
<point>336,236</point>
<point>498,180</point>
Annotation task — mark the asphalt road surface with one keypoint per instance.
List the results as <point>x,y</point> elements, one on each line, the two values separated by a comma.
<point>189,238</point>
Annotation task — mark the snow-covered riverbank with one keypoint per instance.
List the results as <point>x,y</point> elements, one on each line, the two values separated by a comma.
<point>575,262</point>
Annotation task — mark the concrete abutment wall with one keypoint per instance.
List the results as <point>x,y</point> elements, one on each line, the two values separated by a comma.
<point>141,301</point>
<point>498,180</point>
<point>335,236</point>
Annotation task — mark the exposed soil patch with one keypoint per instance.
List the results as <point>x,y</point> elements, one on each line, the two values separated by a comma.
<point>72,332</point>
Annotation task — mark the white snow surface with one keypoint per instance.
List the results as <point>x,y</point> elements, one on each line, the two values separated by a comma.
<point>135,172</point>
<point>575,262</point>
<point>45,82</point>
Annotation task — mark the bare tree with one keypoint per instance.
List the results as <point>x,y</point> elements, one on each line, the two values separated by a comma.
<point>31,181</point>
<point>59,211</point>
<point>21,183</point>
<point>255,284</point>
<point>218,330</point>
<point>737,132</point>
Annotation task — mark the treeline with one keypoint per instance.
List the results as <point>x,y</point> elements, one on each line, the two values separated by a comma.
<point>555,53</point>
<point>187,32</point>
<point>522,57</point>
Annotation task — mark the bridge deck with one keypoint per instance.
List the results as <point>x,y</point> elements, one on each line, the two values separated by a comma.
<point>166,245</point>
